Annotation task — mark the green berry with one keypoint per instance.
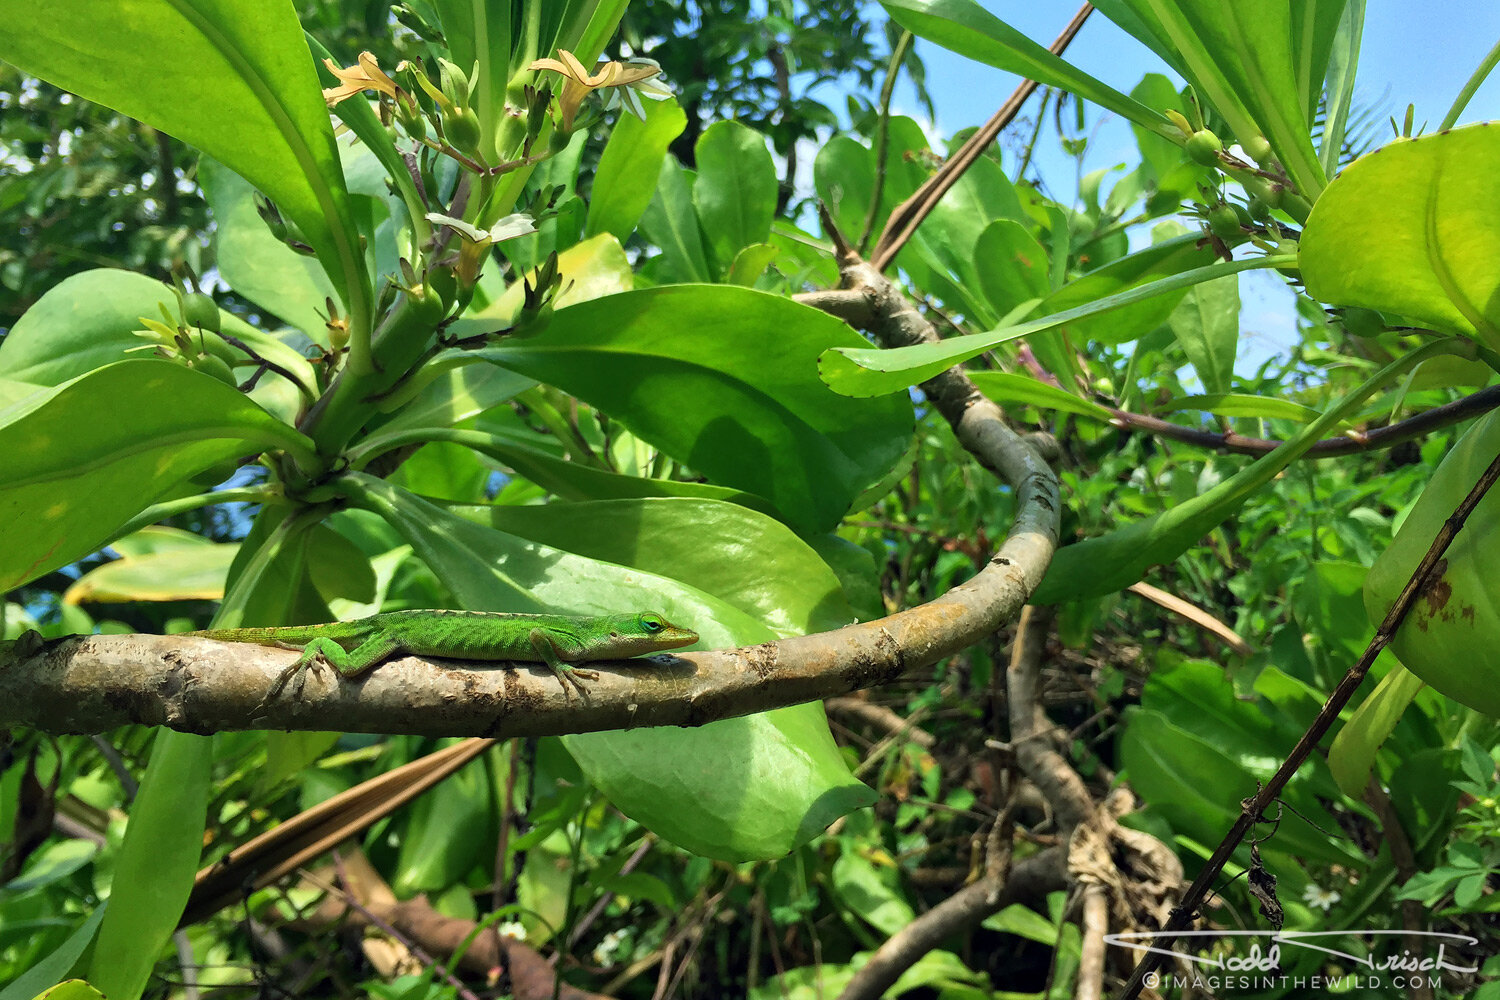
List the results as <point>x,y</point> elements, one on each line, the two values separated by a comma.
<point>201,311</point>
<point>1224,222</point>
<point>1204,147</point>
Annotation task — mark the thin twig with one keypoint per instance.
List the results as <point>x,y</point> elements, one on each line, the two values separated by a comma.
<point>883,135</point>
<point>908,215</point>
<point>1350,443</point>
<point>1252,808</point>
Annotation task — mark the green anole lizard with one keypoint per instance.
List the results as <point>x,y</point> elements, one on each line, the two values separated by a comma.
<point>559,641</point>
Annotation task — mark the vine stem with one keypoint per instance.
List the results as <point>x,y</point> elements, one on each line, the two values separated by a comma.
<point>1252,807</point>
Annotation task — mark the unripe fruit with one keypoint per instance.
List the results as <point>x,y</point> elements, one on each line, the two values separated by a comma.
<point>1224,222</point>
<point>210,365</point>
<point>201,311</point>
<point>1363,322</point>
<point>1258,148</point>
<point>1204,147</point>
<point>461,129</point>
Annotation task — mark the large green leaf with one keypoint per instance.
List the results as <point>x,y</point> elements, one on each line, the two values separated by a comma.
<point>1352,756</point>
<point>629,167</point>
<point>1011,266</point>
<point>154,870</point>
<point>231,77</point>
<point>185,573</point>
<point>1414,229</point>
<point>1174,252</point>
<point>724,379</point>
<point>756,564</point>
<point>255,263</point>
<point>89,320</point>
<point>671,223</point>
<point>1198,785</point>
<point>1451,637</point>
<point>735,190</point>
<point>84,457</point>
<point>965,27</point>
<point>737,789</point>
<point>1207,325</point>
<point>870,371</point>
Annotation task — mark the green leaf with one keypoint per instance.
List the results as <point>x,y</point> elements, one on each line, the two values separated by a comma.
<point>1011,266</point>
<point>478,36</point>
<point>1175,252</point>
<point>870,371</point>
<point>965,27</point>
<point>449,831</point>
<point>744,789</point>
<point>189,573</point>
<point>1197,785</point>
<point>86,456</point>
<point>1007,388</point>
<point>1352,754</point>
<point>156,863</point>
<point>735,190</point>
<point>871,893</point>
<point>453,396</point>
<point>574,481</point>
<point>1160,155</point>
<point>629,168</point>
<point>88,321</point>
<point>1402,231</point>
<point>1207,325</point>
<point>671,223</point>
<point>1451,636</point>
<point>736,789</point>
<point>786,585</point>
<point>231,77</point>
<point>722,379</point>
<point>1230,404</point>
<point>750,263</point>
<point>58,963</point>
<point>255,263</point>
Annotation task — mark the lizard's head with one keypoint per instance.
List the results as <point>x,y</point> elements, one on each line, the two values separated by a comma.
<point>649,632</point>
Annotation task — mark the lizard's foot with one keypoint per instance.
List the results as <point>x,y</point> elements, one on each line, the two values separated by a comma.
<point>571,675</point>
<point>301,668</point>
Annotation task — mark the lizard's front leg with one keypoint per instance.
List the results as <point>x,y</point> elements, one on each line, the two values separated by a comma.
<point>545,645</point>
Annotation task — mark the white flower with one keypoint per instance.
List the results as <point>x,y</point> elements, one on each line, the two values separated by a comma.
<point>518,224</point>
<point>604,951</point>
<point>1323,899</point>
<point>511,929</point>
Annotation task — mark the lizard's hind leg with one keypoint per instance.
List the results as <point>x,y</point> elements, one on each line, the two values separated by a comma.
<point>348,663</point>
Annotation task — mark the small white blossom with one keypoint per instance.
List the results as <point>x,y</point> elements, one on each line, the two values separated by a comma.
<point>604,951</point>
<point>518,224</point>
<point>1323,899</point>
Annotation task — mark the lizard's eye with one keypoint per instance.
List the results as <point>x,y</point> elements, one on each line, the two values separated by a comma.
<point>651,623</point>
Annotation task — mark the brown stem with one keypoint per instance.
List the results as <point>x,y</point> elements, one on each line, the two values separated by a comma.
<point>908,215</point>
<point>1426,574</point>
<point>1350,443</point>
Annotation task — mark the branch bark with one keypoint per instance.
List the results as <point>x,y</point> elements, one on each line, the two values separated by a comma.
<point>96,683</point>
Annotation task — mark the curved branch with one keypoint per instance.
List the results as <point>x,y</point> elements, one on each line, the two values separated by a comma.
<point>1031,879</point>
<point>95,683</point>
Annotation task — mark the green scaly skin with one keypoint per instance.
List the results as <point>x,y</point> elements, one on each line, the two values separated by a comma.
<point>559,641</point>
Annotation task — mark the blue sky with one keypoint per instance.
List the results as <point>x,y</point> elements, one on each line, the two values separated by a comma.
<point>1411,53</point>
